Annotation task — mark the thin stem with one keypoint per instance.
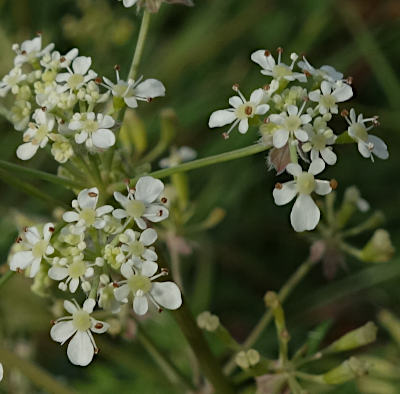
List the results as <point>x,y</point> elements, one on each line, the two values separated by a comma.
<point>41,378</point>
<point>6,277</point>
<point>30,172</point>
<point>207,161</point>
<point>263,323</point>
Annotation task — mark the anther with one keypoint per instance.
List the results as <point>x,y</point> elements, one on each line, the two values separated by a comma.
<point>149,99</point>
<point>98,80</point>
<point>51,229</point>
<point>160,310</point>
<point>266,120</point>
<point>225,136</point>
<point>235,87</point>
<point>19,270</point>
<point>18,240</point>
<point>92,194</point>
<point>117,67</point>
<point>375,121</point>
<point>44,109</point>
<point>344,113</point>
<point>160,212</point>
<point>164,200</point>
<point>52,322</point>
<point>23,53</point>
<point>248,110</point>
<point>333,184</point>
<point>25,229</point>
<point>349,80</point>
<point>62,59</point>
<point>278,186</point>
<point>115,284</point>
<point>266,87</point>
<point>97,350</point>
<point>279,50</point>
<point>267,53</point>
<point>164,271</point>
<point>39,33</point>
<point>306,73</point>
<point>99,325</point>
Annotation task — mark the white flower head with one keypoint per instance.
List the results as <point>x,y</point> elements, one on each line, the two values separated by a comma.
<point>79,326</point>
<point>135,245</point>
<point>329,95</point>
<point>290,125</point>
<point>325,72</point>
<point>11,81</point>
<point>140,282</point>
<point>73,270</point>
<point>143,202</point>
<point>242,110</point>
<point>37,135</point>
<point>133,91</point>
<point>86,214</point>
<point>320,137</point>
<point>93,129</point>
<point>305,213</point>
<point>368,144</point>
<point>277,69</point>
<point>77,76</point>
<point>177,156</point>
<point>37,247</point>
<point>30,51</point>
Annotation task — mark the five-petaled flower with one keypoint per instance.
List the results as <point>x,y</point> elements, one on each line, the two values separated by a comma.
<point>135,244</point>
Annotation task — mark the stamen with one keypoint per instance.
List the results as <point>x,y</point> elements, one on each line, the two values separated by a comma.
<point>98,80</point>
<point>44,109</point>
<point>18,240</point>
<point>235,87</point>
<point>51,229</point>
<point>99,325</point>
<point>266,87</point>
<point>349,80</point>
<point>278,186</point>
<point>333,184</point>
<point>267,53</point>
<point>225,136</point>
<point>115,285</point>
<point>344,113</point>
<point>92,194</point>
<point>164,200</point>
<point>62,59</point>
<point>52,322</point>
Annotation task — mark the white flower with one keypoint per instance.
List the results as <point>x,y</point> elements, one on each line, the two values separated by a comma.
<point>142,202</point>
<point>94,129</point>
<point>11,81</point>
<point>368,144</point>
<point>325,72</point>
<point>61,148</point>
<point>140,282</point>
<point>128,3</point>
<point>37,135</point>
<point>87,215</point>
<point>320,136</point>
<point>107,298</point>
<point>38,248</point>
<point>79,326</point>
<point>277,70</point>
<point>133,91</point>
<point>134,244</point>
<point>290,124</point>
<point>241,111</point>
<point>30,51</point>
<point>73,269</point>
<point>329,95</point>
<point>305,213</point>
<point>177,156</point>
<point>54,60</point>
<point>77,77</point>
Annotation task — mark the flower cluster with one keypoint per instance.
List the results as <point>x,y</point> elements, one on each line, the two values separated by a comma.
<point>292,112</point>
<point>59,100</point>
<point>104,254</point>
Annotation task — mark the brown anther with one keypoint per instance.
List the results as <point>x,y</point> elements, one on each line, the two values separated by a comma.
<point>248,110</point>
<point>267,53</point>
<point>19,270</point>
<point>117,67</point>
<point>235,87</point>
<point>18,240</point>
<point>333,184</point>
<point>149,99</point>
<point>279,50</point>
<point>132,190</point>
<point>164,270</point>
<point>51,229</point>
<point>99,325</point>
<point>164,200</point>
<point>62,121</point>
<point>302,54</point>
<point>266,120</point>
<point>120,244</point>
<point>306,98</point>
<point>160,212</point>
<point>115,284</point>
<point>306,73</point>
<point>62,59</point>
<point>278,186</point>
<point>375,121</point>
<point>349,80</point>
<point>98,80</point>
<point>44,109</point>
<point>23,53</point>
<point>52,322</point>
<point>266,87</point>
<point>92,194</point>
<point>225,136</point>
<point>160,310</point>
<point>25,229</point>
<point>97,350</point>
<point>127,181</point>
<point>344,113</point>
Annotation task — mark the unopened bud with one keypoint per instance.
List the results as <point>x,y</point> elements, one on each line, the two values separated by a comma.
<point>86,286</point>
<point>271,300</point>
<point>348,370</point>
<point>379,248</point>
<point>208,321</point>
<point>247,359</point>
<point>104,279</point>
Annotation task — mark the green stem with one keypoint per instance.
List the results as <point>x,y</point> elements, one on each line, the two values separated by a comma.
<point>6,277</point>
<point>30,172</point>
<point>208,362</point>
<point>263,323</point>
<point>39,377</point>
<point>293,153</point>
<point>207,161</point>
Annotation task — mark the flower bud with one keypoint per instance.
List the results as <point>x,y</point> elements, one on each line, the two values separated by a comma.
<point>348,370</point>
<point>379,248</point>
<point>208,321</point>
<point>246,359</point>
<point>356,338</point>
<point>86,286</point>
<point>391,323</point>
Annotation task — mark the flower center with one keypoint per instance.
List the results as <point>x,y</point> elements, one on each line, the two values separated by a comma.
<point>293,123</point>
<point>75,80</point>
<point>40,134</point>
<point>77,269</point>
<point>90,126</point>
<point>120,89</point>
<point>88,215</point>
<point>305,183</point>
<point>135,208</point>
<point>139,283</point>
<point>81,320</point>
<point>280,71</point>
<point>244,111</point>
<point>39,249</point>
<point>136,248</point>
<point>328,101</point>
<point>319,141</point>
<point>359,132</point>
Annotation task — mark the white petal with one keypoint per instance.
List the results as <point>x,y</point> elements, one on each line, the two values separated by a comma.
<point>103,138</point>
<point>243,126</point>
<point>150,88</point>
<point>27,151</point>
<point>305,213</point>
<point>126,271</point>
<point>35,266</point>
<point>104,209</point>
<point>322,187</point>
<point>280,138</point>
<point>221,118</point>
<point>107,122</point>
<point>148,189</point>
<point>70,307</point>
<point>119,213</point>
<point>73,285</point>
<point>89,305</point>
<point>329,156</point>
<point>149,254</point>
<point>80,350</point>
<point>285,194</point>
<point>167,294</point>
<point>1,372</point>
<point>380,148</point>
<point>140,305</point>
<point>70,216</point>
<point>301,135</point>
<point>21,260</point>
<point>58,273</point>
<point>316,166</point>
<point>48,229</point>
<point>120,198</point>
<point>81,64</point>
<point>156,213</point>
<point>62,331</point>
<point>121,292</point>
<point>81,137</point>
<point>148,236</point>
<point>314,95</point>
<point>343,93</point>
<point>363,149</point>
<point>235,101</point>
<point>141,223</point>
<point>262,109</point>
<point>260,58</point>
<point>149,268</point>
<point>32,235</point>
<point>294,169</point>
<point>131,102</point>
<point>257,96</point>
<point>326,87</point>
<point>292,110</point>
<point>87,199</point>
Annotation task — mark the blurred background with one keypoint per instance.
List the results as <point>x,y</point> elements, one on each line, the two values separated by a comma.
<point>199,53</point>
